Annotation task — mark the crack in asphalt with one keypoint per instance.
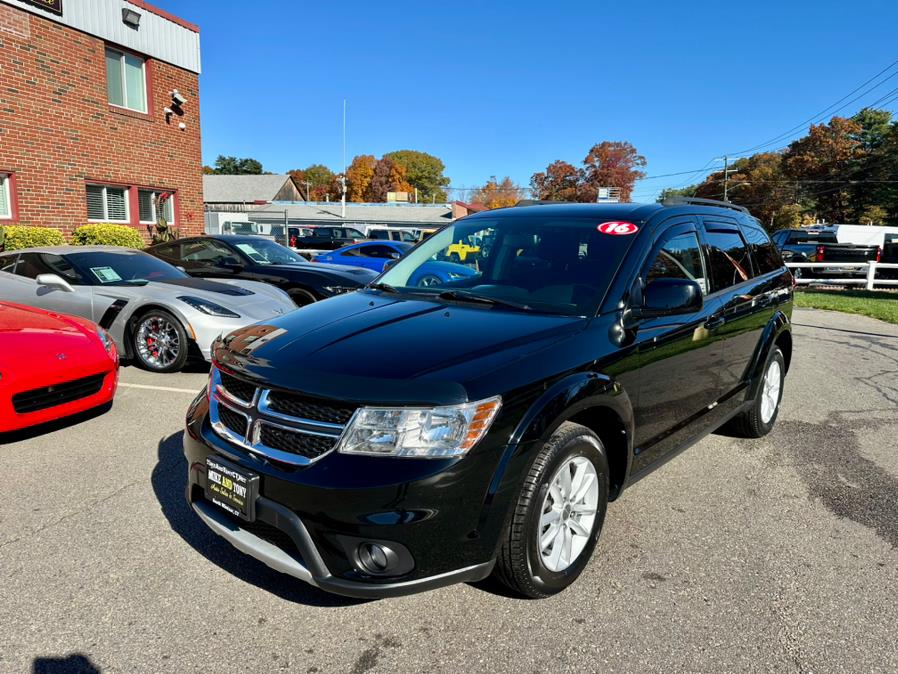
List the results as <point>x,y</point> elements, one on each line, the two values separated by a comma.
<point>59,520</point>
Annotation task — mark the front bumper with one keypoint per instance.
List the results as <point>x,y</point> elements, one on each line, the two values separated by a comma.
<point>310,519</point>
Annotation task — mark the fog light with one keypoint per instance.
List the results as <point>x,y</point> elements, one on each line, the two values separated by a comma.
<point>376,559</point>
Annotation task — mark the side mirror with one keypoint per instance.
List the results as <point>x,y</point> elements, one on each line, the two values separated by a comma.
<point>55,282</point>
<point>390,263</point>
<point>394,256</point>
<point>669,297</point>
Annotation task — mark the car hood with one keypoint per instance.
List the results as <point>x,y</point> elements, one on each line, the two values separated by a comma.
<point>248,298</point>
<point>34,337</point>
<point>370,347</point>
<point>356,275</point>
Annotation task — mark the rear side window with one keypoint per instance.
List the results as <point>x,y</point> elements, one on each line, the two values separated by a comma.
<point>766,256</point>
<point>31,265</point>
<point>729,260</point>
<point>680,257</point>
<point>172,251</point>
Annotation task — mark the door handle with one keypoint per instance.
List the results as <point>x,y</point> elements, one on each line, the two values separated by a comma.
<point>715,322</point>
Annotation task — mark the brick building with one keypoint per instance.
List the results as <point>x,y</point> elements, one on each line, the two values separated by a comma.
<point>99,114</point>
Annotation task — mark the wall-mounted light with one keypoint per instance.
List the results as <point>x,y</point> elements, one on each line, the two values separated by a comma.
<point>130,17</point>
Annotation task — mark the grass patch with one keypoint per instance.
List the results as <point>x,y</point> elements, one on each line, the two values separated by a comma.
<point>881,305</point>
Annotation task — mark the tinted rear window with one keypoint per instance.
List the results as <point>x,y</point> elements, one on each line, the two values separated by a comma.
<point>767,258</point>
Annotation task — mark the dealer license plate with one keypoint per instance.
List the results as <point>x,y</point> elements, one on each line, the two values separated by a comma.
<point>232,488</point>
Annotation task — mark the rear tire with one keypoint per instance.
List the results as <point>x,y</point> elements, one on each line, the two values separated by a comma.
<point>759,419</point>
<point>545,517</point>
<point>160,342</point>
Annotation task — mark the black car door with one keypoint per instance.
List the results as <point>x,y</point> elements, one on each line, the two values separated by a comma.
<point>743,296</point>
<point>679,356</point>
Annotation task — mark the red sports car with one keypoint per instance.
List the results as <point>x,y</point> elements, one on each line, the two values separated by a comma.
<point>51,366</point>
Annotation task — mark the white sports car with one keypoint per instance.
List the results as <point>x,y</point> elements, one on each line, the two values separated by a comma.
<point>156,313</point>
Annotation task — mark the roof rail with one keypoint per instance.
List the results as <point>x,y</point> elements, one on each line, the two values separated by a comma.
<point>541,202</point>
<point>695,201</point>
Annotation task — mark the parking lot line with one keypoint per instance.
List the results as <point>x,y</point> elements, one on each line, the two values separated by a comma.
<point>148,387</point>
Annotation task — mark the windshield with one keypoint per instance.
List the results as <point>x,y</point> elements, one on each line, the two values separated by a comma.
<point>122,268</point>
<point>263,251</point>
<point>530,263</point>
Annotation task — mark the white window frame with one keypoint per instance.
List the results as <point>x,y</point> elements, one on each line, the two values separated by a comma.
<point>6,186</point>
<point>106,217</point>
<point>156,193</point>
<point>121,69</point>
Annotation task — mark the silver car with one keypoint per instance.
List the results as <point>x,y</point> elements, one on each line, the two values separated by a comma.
<point>157,314</point>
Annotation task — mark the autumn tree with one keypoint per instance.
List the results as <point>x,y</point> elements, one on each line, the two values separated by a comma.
<point>388,177</point>
<point>823,159</point>
<point>422,171</point>
<point>317,182</point>
<point>611,164</point>
<point>358,177</point>
<point>559,182</point>
<point>496,194</point>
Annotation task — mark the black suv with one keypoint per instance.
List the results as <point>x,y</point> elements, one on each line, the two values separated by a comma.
<point>255,258</point>
<point>401,438</point>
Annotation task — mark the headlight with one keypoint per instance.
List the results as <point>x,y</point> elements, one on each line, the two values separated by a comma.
<point>108,344</point>
<point>433,432</point>
<point>339,290</point>
<point>208,307</point>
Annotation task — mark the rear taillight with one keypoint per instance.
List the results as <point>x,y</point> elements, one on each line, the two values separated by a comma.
<point>878,253</point>
<point>820,252</point>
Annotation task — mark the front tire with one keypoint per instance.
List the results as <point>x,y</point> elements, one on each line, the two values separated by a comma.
<point>759,419</point>
<point>301,298</point>
<point>160,342</point>
<point>558,516</point>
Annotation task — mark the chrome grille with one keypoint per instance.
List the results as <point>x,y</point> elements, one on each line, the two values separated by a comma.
<point>239,389</point>
<point>306,408</point>
<point>257,420</point>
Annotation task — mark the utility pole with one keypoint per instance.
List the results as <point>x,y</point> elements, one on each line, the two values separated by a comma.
<point>726,176</point>
<point>343,175</point>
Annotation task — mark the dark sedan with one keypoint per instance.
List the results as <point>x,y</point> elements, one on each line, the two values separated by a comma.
<point>256,258</point>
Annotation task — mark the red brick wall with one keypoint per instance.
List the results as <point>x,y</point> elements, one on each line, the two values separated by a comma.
<point>58,131</point>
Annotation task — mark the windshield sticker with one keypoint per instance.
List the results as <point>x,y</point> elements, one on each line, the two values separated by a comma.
<point>105,274</point>
<point>618,228</point>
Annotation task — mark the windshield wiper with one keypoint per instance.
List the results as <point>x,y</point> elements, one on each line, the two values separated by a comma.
<point>385,287</point>
<point>466,296</point>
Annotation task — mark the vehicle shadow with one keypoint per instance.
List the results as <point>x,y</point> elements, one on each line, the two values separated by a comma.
<point>169,480</point>
<point>74,663</point>
<point>52,426</point>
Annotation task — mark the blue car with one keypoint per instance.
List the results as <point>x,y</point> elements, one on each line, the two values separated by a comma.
<point>376,254</point>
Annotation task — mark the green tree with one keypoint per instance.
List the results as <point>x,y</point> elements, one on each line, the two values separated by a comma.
<point>423,171</point>
<point>230,165</point>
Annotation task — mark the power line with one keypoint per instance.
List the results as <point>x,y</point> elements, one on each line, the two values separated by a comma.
<point>800,127</point>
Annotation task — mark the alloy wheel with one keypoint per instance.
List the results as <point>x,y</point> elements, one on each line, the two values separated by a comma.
<point>568,513</point>
<point>770,391</point>
<point>158,342</point>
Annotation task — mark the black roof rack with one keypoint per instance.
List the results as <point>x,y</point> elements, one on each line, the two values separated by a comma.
<point>695,201</point>
<point>541,202</point>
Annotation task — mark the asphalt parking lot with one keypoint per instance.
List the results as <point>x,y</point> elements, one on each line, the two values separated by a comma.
<point>772,555</point>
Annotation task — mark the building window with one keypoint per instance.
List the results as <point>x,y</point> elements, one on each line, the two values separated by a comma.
<point>107,204</point>
<point>146,199</point>
<point>5,197</point>
<point>126,80</point>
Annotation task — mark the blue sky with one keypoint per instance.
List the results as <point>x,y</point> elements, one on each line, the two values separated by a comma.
<point>504,88</point>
